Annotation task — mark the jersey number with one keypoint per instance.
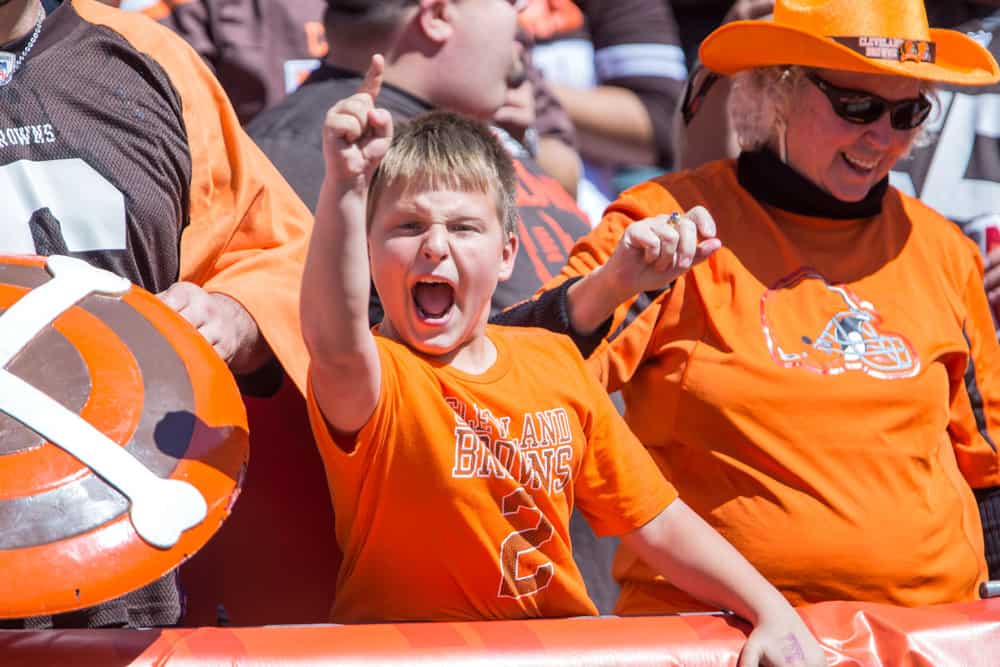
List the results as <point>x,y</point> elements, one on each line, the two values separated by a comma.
<point>89,210</point>
<point>524,569</point>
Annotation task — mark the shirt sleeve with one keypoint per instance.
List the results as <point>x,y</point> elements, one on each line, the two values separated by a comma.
<point>248,231</point>
<point>619,487</point>
<point>975,402</point>
<point>637,46</point>
<point>336,446</point>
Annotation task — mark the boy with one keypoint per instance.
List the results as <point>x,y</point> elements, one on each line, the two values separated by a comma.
<point>455,450</point>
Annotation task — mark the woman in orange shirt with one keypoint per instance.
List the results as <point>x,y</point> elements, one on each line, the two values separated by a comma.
<point>823,390</point>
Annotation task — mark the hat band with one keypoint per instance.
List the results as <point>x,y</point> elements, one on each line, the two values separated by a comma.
<point>891,48</point>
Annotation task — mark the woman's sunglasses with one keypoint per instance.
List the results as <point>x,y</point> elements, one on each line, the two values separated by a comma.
<point>861,107</point>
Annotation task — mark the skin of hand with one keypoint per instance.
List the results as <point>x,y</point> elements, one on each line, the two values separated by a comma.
<point>224,323</point>
<point>518,111</point>
<point>651,254</point>
<point>782,640</point>
<point>555,158</point>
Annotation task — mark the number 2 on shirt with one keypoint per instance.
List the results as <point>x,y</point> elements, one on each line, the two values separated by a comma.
<point>524,569</point>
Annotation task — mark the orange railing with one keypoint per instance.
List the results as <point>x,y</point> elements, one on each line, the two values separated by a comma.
<point>960,635</point>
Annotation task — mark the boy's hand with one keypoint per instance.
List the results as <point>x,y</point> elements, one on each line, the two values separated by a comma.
<point>654,252</point>
<point>356,134</point>
<point>783,641</point>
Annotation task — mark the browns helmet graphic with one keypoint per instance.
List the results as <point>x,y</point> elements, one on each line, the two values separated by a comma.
<point>828,329</point>
<point>123,437</point>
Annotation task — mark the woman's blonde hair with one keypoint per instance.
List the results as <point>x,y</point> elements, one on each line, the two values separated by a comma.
<point>442,150</point>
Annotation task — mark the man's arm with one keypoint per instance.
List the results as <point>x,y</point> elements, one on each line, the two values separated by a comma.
<point>640,73</point>
<point>345,371</point>
<point>246,231</point>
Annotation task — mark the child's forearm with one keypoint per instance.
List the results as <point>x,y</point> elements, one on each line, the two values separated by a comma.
<point>336,288</point>
<point>694,557</point>
<point>336,284</point>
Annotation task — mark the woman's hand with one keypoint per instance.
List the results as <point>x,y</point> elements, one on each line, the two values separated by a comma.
<point>654,252</point>
<point>650,255</point>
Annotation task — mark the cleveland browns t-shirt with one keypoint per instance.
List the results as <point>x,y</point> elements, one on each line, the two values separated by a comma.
<point>453,502</point>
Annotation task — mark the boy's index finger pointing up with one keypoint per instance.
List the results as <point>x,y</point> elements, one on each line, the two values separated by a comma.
<point>372,83</point>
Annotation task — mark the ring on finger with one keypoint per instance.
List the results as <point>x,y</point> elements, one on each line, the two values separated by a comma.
<point>674,220</point>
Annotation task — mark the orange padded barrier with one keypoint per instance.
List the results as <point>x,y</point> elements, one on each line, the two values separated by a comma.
<point>963,635</point>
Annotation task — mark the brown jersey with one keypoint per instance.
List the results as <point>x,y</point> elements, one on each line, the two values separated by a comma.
<point>629,43</point>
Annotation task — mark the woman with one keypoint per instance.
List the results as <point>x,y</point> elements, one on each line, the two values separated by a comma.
<point>824,389</point>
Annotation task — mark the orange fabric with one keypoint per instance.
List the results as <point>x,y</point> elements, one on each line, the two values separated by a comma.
<point>852,633</point>
<point>455,502</point>
<point>248,230</point>
<point>838,474</point>
<point>883,37</point>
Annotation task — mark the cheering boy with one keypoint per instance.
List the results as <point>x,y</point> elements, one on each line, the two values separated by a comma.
<point>455,449</point>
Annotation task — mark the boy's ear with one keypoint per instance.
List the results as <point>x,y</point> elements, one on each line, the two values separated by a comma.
<point>507,257</point>
<point>435,19</point>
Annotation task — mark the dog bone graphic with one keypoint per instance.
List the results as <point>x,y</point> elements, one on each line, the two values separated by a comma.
<point>160,509</point>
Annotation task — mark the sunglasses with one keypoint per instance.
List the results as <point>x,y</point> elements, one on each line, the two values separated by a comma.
<point>861,107</point>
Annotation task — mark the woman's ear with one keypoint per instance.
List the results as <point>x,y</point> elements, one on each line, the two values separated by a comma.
<point>435,19</point>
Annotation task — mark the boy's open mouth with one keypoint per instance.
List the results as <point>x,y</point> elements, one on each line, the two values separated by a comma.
<point>433,298</point>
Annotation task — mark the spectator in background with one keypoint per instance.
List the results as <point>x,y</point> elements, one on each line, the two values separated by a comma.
<point>180,201</point>
<point>618,70</point>
<point>478,85</point>
<point>260,51</point>
<point>533,117</point>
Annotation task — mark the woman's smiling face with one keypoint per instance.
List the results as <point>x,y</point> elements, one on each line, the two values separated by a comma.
<point>842,158</point>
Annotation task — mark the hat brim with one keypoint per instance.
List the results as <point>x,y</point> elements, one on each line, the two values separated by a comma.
<point>742,45</point>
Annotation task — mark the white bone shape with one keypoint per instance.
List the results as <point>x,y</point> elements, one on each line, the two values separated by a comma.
<point>72,281</point>
<point>160,509</point>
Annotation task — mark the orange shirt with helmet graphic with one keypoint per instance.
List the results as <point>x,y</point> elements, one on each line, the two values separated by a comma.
<point>453,502</point>
<point>824,392</point>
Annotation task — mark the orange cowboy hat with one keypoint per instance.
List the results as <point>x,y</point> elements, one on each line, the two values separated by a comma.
<point>871,36</point>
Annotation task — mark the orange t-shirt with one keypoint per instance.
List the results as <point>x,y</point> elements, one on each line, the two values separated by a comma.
<point>816,390</point>
<point>455,502</point>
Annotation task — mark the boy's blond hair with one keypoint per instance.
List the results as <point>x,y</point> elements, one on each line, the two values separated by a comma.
<point>444,150</point>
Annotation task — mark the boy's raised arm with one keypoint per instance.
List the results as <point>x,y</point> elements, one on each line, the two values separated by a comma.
<point>345,372</point>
